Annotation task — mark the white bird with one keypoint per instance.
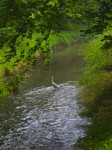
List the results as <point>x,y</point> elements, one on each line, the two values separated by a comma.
<point>54,84</point>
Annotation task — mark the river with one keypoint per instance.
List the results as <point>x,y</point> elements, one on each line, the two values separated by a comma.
<point>40,117</point>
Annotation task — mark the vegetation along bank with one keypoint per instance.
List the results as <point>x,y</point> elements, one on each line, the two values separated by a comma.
<point>28,31</point>
<point>97,80</point>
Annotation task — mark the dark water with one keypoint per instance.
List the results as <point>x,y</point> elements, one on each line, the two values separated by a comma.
<point>41,118</point>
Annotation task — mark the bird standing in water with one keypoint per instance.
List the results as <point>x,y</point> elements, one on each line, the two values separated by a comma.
<point>56,86</point>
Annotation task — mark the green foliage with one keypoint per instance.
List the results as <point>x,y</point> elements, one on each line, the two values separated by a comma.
<point>85,112</point>
<point>53,39</point>
<point>98,78</point>
<point>96,93</point>
<point>25,47</point>
<point>24,17</point>
<point>96,57</point>
<point>99,134</point>
<point>100,19</point>
<point>66,37</point>
<point>97,81</point>
<point>3,90</point>
<point>25,27</point>
<point>30,28</point>
<point>11,86</point>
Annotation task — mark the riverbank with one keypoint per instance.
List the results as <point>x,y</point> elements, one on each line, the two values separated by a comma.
<point>11,77</point>
<point>96,95</point>
<point>99,133</point>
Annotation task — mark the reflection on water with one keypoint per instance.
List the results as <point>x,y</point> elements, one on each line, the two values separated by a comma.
<point>41,118</point>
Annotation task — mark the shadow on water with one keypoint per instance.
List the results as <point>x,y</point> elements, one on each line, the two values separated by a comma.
<point>40,117</point>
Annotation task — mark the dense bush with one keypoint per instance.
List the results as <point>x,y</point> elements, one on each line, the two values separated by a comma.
<point>96,94</point>
<point>98,71</point>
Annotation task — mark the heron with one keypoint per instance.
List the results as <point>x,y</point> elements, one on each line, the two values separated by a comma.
<point>56,86</point>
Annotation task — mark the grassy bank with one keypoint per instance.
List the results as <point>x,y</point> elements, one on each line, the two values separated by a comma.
<point>96,94</point>
<point>99,134</point>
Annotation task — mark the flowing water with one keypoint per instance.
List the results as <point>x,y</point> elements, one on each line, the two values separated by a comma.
<point>40,117</point>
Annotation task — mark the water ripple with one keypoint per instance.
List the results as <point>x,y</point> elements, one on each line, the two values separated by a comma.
<point>46,119</point>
